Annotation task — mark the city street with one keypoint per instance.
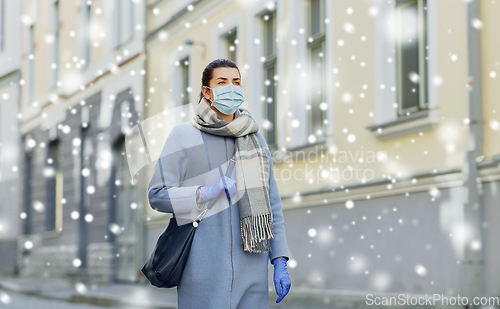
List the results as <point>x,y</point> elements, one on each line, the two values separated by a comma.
<point>13,300</point>
<point>366,152</point>
<point>55,293</point>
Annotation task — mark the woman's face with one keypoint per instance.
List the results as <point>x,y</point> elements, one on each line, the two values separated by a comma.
<point>221,77</point>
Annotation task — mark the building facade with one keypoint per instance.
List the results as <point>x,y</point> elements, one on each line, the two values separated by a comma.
<point>82,70</point>
<point>382,117</point>
<point>10,65</point>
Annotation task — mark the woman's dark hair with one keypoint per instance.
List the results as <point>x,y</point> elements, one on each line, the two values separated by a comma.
<point>209,69</point>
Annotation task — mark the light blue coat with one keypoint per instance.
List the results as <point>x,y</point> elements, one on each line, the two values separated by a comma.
<point>218,273</point>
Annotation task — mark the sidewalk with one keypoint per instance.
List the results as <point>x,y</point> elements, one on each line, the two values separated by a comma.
<point>146,296</point>
<point>115,295</point>
<point>130,295</point>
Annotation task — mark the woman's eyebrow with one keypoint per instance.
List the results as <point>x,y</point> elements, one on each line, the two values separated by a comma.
<point>222,77</point>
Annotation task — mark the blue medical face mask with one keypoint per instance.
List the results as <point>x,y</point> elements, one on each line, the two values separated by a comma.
<point>227,98</point>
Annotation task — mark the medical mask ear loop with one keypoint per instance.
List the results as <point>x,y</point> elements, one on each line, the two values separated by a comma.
<point>212,93</point>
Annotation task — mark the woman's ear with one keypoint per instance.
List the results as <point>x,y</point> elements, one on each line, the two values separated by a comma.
<point>206,93</point>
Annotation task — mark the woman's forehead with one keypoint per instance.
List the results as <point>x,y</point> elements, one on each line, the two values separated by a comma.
<point>226,73</point>
<point>225,78</point>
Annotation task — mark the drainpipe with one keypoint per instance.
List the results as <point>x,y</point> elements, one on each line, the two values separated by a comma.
<point>473,263</point>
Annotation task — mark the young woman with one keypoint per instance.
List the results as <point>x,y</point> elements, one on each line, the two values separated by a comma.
<point>228,262</point>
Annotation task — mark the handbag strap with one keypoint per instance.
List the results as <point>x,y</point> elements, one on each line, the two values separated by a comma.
<point>229,170</point>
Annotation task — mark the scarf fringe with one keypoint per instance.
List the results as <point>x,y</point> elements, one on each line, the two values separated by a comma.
<point>256,232</point>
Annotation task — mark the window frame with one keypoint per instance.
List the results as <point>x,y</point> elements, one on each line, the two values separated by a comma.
<point>313,41</point>
<point>87,27</point>
<point>265,36</point>
<point>54,189</point>
<point>322,27</point>
<point>55,46</point>
<point>2,25</point>
<point>31,65</point>
<point>29,160</point>
<point>227,38</point>
<point>422,37</point>
<point>220,31</point>
<point>119,22</point>
<point>184,79</point>
<point>271,61</point>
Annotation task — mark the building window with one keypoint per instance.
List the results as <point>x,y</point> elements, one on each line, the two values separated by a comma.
<point>27,192</point>
<point>184,70</point>
<point>270,71</point>
<point>31,64</point>
<point>87,27</point>
<point>317,76</point>
<point>124,21</point>
<point>2,24</point>
<point>412,55</point>
<point>54,180</point>
<point>231,41</point>
<point>55,47</point>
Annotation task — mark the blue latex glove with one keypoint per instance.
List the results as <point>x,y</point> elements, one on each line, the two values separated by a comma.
<point>211,192</point>
<point>282,281</point>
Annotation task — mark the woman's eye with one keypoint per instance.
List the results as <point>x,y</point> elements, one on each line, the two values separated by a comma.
<point>221,82</point>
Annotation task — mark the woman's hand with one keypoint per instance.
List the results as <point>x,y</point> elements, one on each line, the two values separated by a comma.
<point>282,281</point>
<point>211,192</point>
<point>230,186</point>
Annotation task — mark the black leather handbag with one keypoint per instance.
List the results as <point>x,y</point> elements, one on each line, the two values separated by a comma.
<point>165,266</point>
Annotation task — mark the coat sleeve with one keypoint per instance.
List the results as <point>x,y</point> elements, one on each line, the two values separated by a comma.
<point>279,245</point>
<point>165,191</point>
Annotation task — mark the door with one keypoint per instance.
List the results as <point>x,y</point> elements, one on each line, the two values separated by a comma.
<point>127,227</point>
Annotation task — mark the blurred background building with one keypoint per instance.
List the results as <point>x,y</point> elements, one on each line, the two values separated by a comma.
<point>382,117</point>
<point>10,152</point>
<point>82,82</point>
